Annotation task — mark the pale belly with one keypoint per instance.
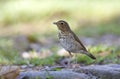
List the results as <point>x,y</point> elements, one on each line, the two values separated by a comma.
<point>69,44</point>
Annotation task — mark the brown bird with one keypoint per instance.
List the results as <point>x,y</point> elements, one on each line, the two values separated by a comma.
<point>69,40</point>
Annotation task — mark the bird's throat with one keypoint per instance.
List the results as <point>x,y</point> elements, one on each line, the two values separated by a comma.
<point>64,32</point>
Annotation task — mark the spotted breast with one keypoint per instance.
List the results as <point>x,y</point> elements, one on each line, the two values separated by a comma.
<point>68,42</point>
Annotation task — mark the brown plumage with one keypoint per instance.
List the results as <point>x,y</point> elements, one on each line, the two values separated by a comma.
<point>69,40</point>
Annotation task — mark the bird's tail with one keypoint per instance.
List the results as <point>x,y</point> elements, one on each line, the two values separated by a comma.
<point>90,55</point>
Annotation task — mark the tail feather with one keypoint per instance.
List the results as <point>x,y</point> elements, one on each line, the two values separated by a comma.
<point>90,55</point>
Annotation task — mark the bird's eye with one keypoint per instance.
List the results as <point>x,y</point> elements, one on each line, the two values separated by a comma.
<point>61,23</point>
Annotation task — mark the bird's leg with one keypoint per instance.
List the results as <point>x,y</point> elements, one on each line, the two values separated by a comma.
<point>76,59</point>
<point>70,54</point>
<point>70,58</point>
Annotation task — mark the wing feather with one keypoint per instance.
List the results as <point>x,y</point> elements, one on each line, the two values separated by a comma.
<point>78,40</point>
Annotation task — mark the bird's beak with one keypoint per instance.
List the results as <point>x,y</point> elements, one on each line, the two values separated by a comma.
<point>55,23</point>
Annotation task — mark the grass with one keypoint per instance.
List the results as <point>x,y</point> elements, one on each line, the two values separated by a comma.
<point>7,54</point>
<point>36,61</point>
<point>104,55</point>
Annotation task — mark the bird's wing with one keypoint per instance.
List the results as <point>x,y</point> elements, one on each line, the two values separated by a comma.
<point>78,40</point>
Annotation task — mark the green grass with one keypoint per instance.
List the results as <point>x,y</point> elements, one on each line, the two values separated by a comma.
<point>7,54</point>
<point>35,61</point>
<point>104,55</point>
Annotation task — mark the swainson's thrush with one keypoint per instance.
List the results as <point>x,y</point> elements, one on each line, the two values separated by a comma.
<point>69,41</point>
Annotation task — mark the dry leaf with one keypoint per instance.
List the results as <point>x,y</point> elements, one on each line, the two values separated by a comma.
<point>9,72</point>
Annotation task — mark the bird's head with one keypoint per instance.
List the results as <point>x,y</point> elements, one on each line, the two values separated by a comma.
<point>62,25</point>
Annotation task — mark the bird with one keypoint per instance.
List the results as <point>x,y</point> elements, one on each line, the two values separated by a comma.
<point>69,41</point>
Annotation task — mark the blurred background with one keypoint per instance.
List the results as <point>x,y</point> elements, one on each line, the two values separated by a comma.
<point>28,36</point>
